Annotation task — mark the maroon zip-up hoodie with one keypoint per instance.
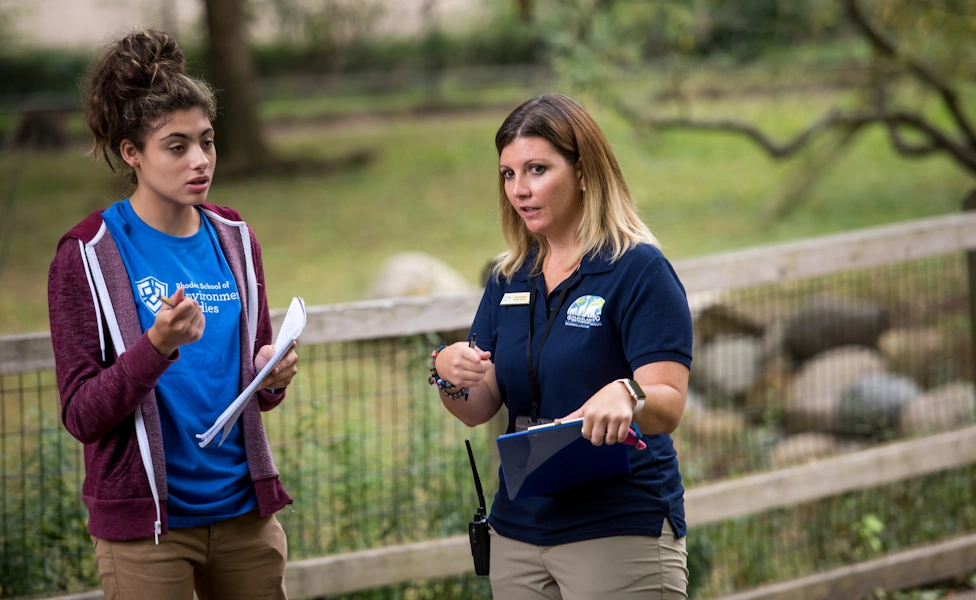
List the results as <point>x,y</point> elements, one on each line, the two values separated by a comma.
<point>107,372</point>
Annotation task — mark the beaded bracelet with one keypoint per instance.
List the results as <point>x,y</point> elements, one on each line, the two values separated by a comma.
<point>442,385</point>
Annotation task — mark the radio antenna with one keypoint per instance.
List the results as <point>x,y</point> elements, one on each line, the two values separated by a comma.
<point>482,510</point>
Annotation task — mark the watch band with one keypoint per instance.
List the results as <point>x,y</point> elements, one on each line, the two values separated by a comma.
<point>635,391</point>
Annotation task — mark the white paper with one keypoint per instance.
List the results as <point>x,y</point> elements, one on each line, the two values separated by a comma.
<point>555,423</point>
<point>291,328</point>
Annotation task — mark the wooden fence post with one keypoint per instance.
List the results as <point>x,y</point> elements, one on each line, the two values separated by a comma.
<point>969,204</point>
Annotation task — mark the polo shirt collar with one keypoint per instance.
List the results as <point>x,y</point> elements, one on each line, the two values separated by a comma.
<point>599,263</point>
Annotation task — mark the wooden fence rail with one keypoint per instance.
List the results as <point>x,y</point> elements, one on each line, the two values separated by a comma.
<point>702,277</point>
<point>704,504</point>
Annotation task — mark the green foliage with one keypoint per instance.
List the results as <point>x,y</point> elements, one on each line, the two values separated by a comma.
<point>43,544</point>
<point>748,29</point>
<point>466,587</point>
<point>502,42</point>
<point>372,460</point>
<point>834,532</point>
<point>868,529</point>
<point>41,71</point>
<point>701,559</point>
<point>625,33</point>
<point>930,594</point>
<point>941,32</point>
<point>323,44</point>
<point>328,27</point>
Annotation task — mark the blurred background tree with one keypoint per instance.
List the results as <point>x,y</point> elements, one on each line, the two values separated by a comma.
<point>906,59</point>
<point>243,147</point>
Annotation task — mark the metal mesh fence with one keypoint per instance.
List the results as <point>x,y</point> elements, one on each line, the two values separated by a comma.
<point>788,373</point>
<point>793,373</point>
<point>43,544</point>
<point>372,458</point>
<point>783,375</point>
<point>368,453</point>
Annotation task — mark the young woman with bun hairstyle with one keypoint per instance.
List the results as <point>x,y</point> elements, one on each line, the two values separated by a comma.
<point>159,319</point>
<point>582,318</point>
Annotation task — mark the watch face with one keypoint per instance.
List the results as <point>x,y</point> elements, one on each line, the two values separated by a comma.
<point>637,389</point>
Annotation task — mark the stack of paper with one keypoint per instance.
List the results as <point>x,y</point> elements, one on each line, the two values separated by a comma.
<point>291,328</point>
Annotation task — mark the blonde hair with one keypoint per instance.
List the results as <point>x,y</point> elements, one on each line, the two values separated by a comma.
<point>610,224</point>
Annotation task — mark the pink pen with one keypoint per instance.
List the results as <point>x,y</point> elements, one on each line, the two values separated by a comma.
<point>632,440</point>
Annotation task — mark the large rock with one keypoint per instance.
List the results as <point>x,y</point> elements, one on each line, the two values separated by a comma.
<point>944,408</point>
<point>727,366</point>
<point>693,404</point>
<point>416,274</point>
<point>770,392</point>
<point>809,447</point>
<point>724,320</point>
<point>707,425</point>
<point>829,322</point>
<point>815,394</point>
<point>774,344</point>
<point>871,406</point>
<point>919,352</point>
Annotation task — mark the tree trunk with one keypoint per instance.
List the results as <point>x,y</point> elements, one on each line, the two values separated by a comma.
<point>524,9</point>
<point>240,139</point>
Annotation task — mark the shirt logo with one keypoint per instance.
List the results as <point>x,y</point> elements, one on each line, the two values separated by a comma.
<point>150,289</point>
<point>585,312</point>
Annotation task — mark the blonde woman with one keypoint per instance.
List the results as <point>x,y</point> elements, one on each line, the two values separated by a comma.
<point>583,317</point>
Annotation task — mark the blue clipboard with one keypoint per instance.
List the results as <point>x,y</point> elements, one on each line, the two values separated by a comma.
<point>548,458</point>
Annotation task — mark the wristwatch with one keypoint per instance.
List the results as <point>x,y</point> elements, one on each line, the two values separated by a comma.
<point>635,392</point>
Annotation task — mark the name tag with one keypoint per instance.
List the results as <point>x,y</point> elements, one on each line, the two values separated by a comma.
<point>515,299</point>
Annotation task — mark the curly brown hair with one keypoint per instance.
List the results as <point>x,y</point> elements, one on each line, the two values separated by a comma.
<point>133,84</point>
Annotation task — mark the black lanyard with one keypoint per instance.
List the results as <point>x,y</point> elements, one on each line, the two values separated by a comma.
<point>533,379</point>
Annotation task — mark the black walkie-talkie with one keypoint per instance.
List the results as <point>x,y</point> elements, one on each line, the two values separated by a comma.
<point>478,527</point>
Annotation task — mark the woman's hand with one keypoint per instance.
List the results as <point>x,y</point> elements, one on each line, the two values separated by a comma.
<point>283,372</point>
<point>467,367</point>
<point>607,415</point>
<point>175,326</point>
<point>461,365</point>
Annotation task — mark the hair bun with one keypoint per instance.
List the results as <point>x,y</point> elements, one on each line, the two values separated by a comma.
<point>147,60</point>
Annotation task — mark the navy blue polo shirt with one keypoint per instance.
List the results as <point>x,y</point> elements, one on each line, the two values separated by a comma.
<point>615,318</point>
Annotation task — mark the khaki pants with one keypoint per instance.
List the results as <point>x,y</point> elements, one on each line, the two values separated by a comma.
<point>241,558</point>
<point>623,567</point>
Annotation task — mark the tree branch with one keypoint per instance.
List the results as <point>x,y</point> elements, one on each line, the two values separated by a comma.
<point>851,123</point>
<point>785,200</point>
<point>904,147</point>
<point>936,137</point>
<point>883,44</point>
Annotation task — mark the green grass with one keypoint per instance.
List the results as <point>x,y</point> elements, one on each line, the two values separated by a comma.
<point>432,187</point>
<point>451,90</point>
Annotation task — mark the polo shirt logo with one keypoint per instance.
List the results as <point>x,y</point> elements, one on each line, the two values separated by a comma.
<point>585,312</point>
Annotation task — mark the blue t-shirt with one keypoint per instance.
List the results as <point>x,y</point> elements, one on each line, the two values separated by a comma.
<point>615,318</point>
<point>205,485</point>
